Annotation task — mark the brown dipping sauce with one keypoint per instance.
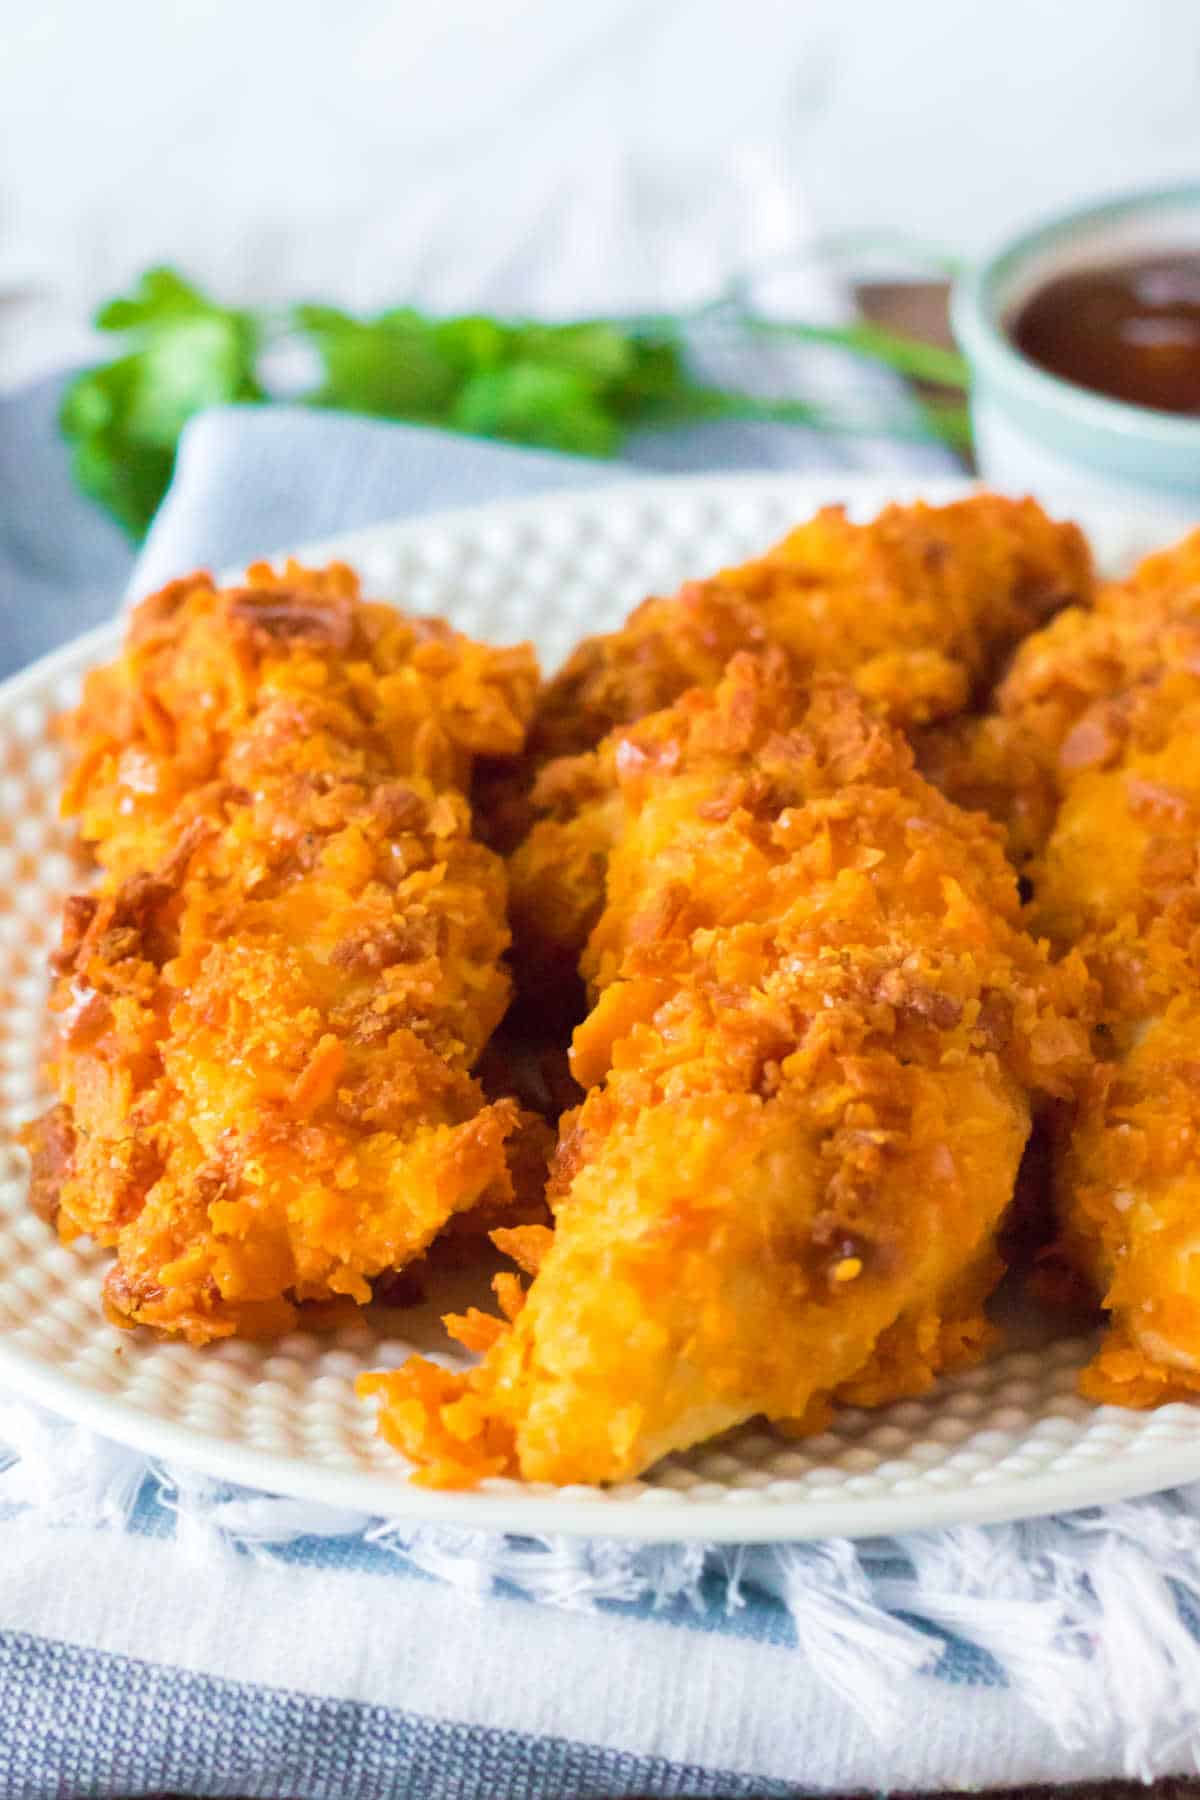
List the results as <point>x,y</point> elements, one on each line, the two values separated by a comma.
<point>1129,329</point>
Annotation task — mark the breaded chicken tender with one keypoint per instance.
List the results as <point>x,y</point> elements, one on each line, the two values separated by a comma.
<point>816,1031</point>
<point>919,609</point>
<point>272,1003</point>
<point>1060,707</point>
<point>1113,700</point>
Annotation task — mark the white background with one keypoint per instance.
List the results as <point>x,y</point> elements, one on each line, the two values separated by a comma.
<point>552,154</point>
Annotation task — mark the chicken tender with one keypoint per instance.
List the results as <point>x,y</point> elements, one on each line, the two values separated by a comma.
<point>1060,706</point>
<point>919,609</point>
<point>1102,794</point>
<point>272,1004</point>
<point>816,1034</point>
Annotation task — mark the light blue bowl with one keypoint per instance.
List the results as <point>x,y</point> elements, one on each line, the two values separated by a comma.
<point>1033,430</point>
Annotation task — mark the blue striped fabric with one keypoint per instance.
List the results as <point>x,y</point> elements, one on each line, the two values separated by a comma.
<point>82,1722</point>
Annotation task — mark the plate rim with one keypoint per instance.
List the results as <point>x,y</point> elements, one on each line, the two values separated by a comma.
<point>666,1519</point>
<point>657,1515</point>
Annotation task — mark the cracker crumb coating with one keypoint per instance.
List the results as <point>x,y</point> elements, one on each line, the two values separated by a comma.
<point>271,1005</point>
<point>817,1031</point>
<point>1092,761</point>
<point>919,609</point>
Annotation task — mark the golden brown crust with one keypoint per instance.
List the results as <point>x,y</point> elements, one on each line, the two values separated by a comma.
<point>1100,714</point>
<point>919,609</point>
<point>1064,705</point>
<point>816,1026</point>
<point>272,1006</point>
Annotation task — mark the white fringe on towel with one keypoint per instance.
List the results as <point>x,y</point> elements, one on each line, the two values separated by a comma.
<point>1092,1617</point>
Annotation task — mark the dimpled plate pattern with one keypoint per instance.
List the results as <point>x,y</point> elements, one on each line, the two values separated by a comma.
<point>1009,1439</point>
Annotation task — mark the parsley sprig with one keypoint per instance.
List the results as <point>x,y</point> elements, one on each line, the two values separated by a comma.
<point>577,387</point>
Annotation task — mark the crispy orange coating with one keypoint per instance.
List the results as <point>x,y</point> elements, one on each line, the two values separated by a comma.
<point>1120,877</point>
<point>1061,705</point>
<point>919,609</point>
<point>817,1027</point>
<point>272,1004</point>
<point>1102,793</point>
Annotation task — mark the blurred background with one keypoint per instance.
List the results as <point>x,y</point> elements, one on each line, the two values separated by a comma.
<point>531,154</point>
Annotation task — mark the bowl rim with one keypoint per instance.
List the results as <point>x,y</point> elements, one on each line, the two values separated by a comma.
<point>988,348</point>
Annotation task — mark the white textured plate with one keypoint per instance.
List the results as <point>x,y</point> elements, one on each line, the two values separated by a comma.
<point>1009,1439</point>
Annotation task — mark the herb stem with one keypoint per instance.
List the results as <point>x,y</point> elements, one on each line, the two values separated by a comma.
<point>947,421</point>
<point>908,356</point>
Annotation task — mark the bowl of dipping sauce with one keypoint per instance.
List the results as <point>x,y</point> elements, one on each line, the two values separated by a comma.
<point>1083,339</point>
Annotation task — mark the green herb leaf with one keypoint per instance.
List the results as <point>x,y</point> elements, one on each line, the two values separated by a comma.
<point>128,479</point>
<point>599,353</point>
<point>161,294</point>
<point>655,381</point>
<point>392,367</point>
<point>537,403</point>
<point>473,343</point>
<point>123,419</point>
<point>574,387</point>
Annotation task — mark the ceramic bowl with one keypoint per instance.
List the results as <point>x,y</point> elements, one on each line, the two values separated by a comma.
<point>1033,429</point>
